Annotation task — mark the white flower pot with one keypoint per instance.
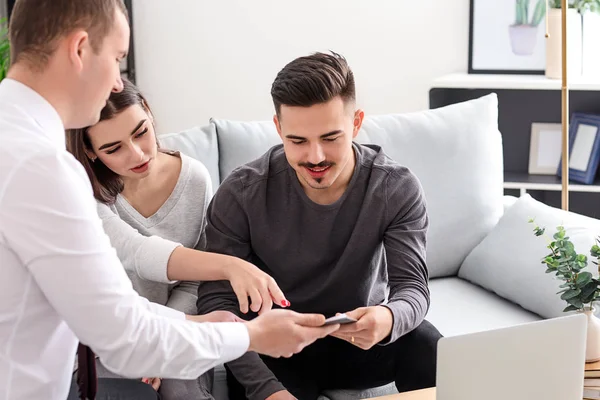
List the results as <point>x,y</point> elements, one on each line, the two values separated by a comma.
<point>554,44</point>
<point>592,348</point>
<point>523,39</point>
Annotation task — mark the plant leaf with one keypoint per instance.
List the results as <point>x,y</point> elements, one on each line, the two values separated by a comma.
<point>571,293</point>
<point>575,301</point>
<point>563,270</point>
<point>588,292</point>
<point>583,278</point>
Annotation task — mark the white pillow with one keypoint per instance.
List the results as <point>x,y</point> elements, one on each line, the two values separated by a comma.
<point>508,261</point>
<point>456,152</point>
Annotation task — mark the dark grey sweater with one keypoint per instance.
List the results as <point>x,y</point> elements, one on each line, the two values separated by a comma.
<point>326,258</point>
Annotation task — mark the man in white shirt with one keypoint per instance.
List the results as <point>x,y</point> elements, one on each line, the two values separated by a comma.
<point>61,280</point>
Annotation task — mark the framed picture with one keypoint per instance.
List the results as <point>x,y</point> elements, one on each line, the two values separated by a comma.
<point>584,148</point>
<point>545,148</point>
<point>507,37</point>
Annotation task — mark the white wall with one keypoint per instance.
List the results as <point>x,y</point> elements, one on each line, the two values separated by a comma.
<point>198,59</point>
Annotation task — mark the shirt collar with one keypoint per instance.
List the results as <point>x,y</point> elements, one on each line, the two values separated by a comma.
<point>35,106</point>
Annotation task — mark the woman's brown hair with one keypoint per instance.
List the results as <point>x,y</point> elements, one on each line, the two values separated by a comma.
<point>105,183</point>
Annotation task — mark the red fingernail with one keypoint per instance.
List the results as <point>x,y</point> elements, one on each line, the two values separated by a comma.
<point>285,303</point>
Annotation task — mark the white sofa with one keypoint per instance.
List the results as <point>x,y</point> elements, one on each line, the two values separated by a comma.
<point>483,259</point>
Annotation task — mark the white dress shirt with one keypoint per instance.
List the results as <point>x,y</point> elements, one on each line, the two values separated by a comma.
<point>61,281</point>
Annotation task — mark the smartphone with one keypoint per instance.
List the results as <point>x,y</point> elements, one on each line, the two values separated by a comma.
<point>339,319</point>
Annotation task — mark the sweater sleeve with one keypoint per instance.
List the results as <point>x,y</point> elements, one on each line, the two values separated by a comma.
<point>147,256</point>
<point>405,244</point>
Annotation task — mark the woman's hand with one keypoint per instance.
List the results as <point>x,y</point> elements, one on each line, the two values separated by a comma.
<point>154,382</point>
<point>248,281</point>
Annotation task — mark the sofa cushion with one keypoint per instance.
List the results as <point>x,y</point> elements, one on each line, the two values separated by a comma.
<point>241,142</point>
<point>456,152</point>
<point>459,307</point>
<point>199,143</point>
<point>508,260</point>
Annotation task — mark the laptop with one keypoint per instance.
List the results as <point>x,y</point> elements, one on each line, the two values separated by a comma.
<point>542,360</point>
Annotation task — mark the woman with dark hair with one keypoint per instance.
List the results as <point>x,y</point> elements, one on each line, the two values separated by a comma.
<point>153,203</point>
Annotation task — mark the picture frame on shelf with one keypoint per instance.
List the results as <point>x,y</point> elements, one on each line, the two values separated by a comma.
<point>507,37</point>
<point>584,148</point>
<point>545,148</point>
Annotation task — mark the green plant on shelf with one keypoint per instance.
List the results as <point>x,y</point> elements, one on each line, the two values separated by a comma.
<point>522,12</point>
<point>582,6</point>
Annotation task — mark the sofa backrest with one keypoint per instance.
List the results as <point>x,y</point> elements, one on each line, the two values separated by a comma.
<point>199,142</point>
<point>455,151</point>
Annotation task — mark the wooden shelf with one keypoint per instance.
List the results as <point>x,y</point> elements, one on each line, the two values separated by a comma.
<point>523,82</point>
<point>522,181</point>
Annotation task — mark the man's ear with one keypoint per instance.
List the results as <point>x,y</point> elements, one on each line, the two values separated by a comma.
<point>78,47</point>
<point>277,125</point>
<point>359,116</point>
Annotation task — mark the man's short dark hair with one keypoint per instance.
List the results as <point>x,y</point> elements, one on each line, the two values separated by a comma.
<point>313,79</point>
<point>37,25</point>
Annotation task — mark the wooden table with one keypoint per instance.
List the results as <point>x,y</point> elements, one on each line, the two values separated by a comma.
<point>424,394</point>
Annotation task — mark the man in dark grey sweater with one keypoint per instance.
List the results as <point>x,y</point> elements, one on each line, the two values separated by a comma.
<point>341,228</point>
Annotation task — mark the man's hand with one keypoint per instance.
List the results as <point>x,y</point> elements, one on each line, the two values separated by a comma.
<point>215,316</point>
<point>283,333</point>
<point>248,281</point>
<point>281,395</point>
<point>373,325</point>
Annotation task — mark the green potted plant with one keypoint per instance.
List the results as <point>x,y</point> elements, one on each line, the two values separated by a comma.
<point>582,6</point>
<point>523,33</point>
<point>580,289</point>
<point>4,49</point>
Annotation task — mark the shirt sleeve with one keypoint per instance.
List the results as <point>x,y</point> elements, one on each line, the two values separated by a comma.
<point>227,232</point>
<point>405,246</point>
<point>165,311</point>
<point>50,221</point>
<point>146,256</point>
